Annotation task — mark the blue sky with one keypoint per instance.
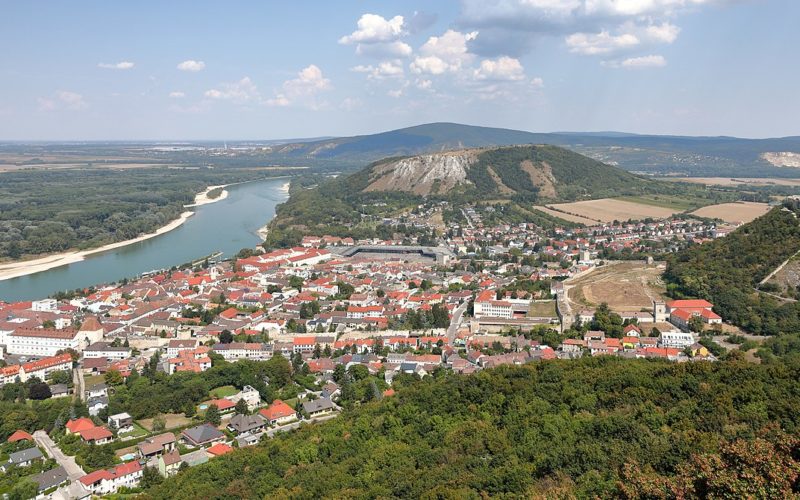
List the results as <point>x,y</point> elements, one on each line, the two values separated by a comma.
<point>269,70</point>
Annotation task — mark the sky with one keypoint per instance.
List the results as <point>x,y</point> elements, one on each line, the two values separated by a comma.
<point>148,70</point>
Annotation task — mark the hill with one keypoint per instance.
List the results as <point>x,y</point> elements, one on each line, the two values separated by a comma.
<point>726,272</point>
<point>522,176</point>
<point>673,155</point>
<point>590,428</point>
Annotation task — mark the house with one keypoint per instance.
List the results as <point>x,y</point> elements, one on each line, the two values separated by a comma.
<point>106,481</point>
<point>223,405</point>
<point>157,445</point>
<point>190,360</point>
<point>40,369</point>
<point>95,405</point>
<point>50,479</point>
<point>250,395</point>
<point>196,457</point>
<point>247,423</point>
<point>677,340</point>
<point>96,435</point>
<point>122,422</point>
<point>318,407</point>
<point>96,391</point>
<point>278,413</point>
<point>218,450</point>
<point>75,426</point>
<point>176,346</point>
<point>202,435</point>
<point>682,311</point>
<point>104,350</point>
<point>22,458</point>
<point>19,435</point>
<point>59,390</point>
<point>169,463</point>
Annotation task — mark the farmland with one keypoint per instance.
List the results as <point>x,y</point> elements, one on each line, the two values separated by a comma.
<point>625,286</point>
<point>738,212</point>
<point>611,209</point>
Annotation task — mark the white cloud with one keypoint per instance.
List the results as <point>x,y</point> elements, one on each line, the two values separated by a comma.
<point>379,50</point>
<point>191,65</point>
<point>503,68</point>
<point>397,93</point>
<point>119,65</point>
<point>652,61</point>
<point>381,71</point>
<point>309,82</point>
<point>177,95</point>
<point>537,83</point>
<point>638,7</point>
<point>423,84</point>
<point>373,28</point>
<point>446,53</point>
<point>351,103</point>
<point>62,99</point>
<point>664,33</point>
<point>241,91</point>
<point>600,43</point>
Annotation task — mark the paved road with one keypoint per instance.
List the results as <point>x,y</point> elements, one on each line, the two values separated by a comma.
<point>455,321</point>
<point>78,382</point>
<point>74,470</point>
<point>295,425</point>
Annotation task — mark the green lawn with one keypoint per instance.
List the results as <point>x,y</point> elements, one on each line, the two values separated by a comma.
<point>224,391</point>
<point>543,309</point>
<point>93,379</point>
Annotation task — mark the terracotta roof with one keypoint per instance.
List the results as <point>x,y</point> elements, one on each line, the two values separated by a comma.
<point>219,449</point>
<point>19,435</point>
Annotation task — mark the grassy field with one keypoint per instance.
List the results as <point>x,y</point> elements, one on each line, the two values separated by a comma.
<point>224,391</point>
<point>738,212</point>
<point>543,309</point>
<point>173,420</point>
<point>670,202</point>
<point>624,286</point>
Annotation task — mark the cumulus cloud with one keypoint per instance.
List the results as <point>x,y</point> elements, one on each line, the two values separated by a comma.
<point>537,83</point>
<point>62,99</point>
<point>446,53</point>
<point>664,33</point>
<point>119,65</point>
<point>240,92</point>
<point>599,43</point>
<point>309,82</point>
<point>379,37</point>
<point>503,68</point>
<point>177,95</point>
<point>381,71</point>
<point>191,65</point>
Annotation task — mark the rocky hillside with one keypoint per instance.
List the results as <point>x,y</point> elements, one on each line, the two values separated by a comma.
<point>546,172</point>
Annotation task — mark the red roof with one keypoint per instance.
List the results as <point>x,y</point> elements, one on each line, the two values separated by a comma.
<point>95,433</point>
<point>96,477</point>
<point>680,304</point>
<point>222,404</point>
<point>219,449</point>
<point>278,409</point>
<point>20,435</point>
<point>80,424</point>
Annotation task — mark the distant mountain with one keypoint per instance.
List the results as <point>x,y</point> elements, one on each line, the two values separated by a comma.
<point>675,155</point>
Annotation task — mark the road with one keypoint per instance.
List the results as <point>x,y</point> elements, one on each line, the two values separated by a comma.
<point>455,321</point>
<point>77,379</point>
<point>295,425</point>
<point>74,470</point>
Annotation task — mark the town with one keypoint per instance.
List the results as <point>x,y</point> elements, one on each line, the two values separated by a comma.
<point>334,322</point>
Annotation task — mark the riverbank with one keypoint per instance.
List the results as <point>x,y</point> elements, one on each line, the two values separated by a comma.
<point>23,268</point>
<point>202,198</point>
<point>263,231</point>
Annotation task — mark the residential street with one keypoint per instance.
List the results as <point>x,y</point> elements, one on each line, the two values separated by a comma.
<point>53,451</point>
<point>455,321</point>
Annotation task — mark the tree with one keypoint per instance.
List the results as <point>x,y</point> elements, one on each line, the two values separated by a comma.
<point>39,391</point>
<point>225,337</point>
<point>317,351</point>
<point>113,377</point>
<point>23,490</point>
<point>212,415</point>
<point>150,477</point>
<point>241,407</point>
<point>60,377</point>
<point>159,423</point>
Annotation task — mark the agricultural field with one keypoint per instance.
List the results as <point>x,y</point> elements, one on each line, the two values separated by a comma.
<point>566,217</point>
<point>611,209</point>
<point>738,212</point>
<point>625,286</point>
<point>734,181</point>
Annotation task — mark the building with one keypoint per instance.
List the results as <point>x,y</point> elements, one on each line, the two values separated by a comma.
<point>202,435</point>
<point>104,350</point>
<point>190,360</point>
<point>487,306</point>
<point>681,312</point>
<point>677,340</point>
<point>43,342</point>
<point>106,481</point>
<point>40,369</point>
<point>319,407</point>
<point>22,458</point>
<point>250,395</point>
<point>278,413</point>
<point>169,463</point>
<point>157,445</point>
<point>176,346</point>
<point>122,422</point>
<point>244,350</point>
<point>241,424</point>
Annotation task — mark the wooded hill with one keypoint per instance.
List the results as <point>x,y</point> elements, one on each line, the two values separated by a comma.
<point>727,270</point>
<point>595,427</point>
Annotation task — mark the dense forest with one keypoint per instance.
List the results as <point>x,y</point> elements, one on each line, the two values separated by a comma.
<point>592,427</point>
<point>727,270</point>
<point>49,211</point>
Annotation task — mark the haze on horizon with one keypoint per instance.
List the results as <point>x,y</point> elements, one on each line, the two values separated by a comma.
<point>271,70</point>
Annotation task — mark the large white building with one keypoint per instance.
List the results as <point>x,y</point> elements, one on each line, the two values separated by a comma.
<point>39,369</point>
<point>43,342</point>
<point>486,306</point>
<point>678,340</point>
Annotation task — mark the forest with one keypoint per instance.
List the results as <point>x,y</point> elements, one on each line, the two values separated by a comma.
<point>49,211</point>
<point>595,427</point>
<point>727,270</point>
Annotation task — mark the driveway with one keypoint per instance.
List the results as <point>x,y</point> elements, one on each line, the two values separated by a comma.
<point>455,322</point>
<point>74,470</point>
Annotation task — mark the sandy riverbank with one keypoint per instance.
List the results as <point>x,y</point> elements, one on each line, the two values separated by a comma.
<point>203,199</point>
<point>264,230</point>
<point>17,269</point>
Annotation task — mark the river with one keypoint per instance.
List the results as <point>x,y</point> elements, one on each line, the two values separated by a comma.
<point>227,226</point>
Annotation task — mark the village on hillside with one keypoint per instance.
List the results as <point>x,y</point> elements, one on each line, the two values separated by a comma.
<point>348,318</point>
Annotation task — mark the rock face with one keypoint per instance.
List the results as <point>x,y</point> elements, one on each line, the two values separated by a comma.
<point>424,174</point>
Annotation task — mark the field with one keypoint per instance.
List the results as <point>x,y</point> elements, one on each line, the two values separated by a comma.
<point>611,209</point>
<point>741,211</point>
<point>567,217</point>
<point>734,181</point>
<point>173,420</point>
<point>224,391</point>
<point>543,309</point>
<point>624,286</point>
